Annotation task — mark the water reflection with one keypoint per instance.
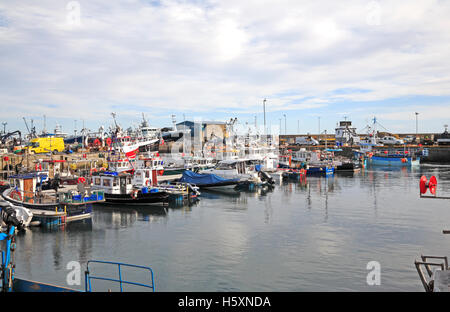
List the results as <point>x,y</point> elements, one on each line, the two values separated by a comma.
<point>311,236</point>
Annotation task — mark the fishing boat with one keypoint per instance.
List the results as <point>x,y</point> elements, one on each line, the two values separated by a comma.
<point>347,166</point>
<point>72,204</point>
<point>316,163</point>
<point>346,133</point>
<point>129,189</point>
<point>393,159</point>
<point>233,169</point>
<point>444,138</point>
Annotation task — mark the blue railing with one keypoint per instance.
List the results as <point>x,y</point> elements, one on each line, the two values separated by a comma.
<point>7,269</point>
<point>89,277</point>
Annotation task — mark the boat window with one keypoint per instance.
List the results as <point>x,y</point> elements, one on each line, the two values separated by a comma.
<point>147,174</point>
<point>224,166</point>
<point>97,181</point>
<point>106,182</point>
<point>129,180</point>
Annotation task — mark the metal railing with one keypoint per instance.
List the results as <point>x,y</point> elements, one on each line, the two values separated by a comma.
<point>89,277</point>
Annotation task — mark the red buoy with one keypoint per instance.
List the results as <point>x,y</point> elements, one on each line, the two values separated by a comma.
<point>423,185</point>
<point>432,185</point>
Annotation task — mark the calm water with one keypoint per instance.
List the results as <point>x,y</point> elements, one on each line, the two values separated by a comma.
<point>318,237</point>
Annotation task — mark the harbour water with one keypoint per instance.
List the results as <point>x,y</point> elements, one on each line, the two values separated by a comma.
<point>314,237</point>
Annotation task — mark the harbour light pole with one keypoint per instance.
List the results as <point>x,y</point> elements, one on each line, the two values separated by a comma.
<point>417,124</point>
<point>4,127</point>
<point>285,132</point>
<point>280,126</point>
<point>264,107</point>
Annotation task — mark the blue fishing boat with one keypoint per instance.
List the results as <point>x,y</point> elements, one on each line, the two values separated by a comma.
<point>320,171</point>
<point>394,160</point>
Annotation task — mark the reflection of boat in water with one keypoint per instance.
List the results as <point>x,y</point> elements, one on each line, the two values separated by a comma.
<point>147,208</point>
<point>215,194</point>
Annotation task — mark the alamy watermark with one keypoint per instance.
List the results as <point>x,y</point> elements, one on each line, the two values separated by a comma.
<point>74,276</point>
<point>374,276</point>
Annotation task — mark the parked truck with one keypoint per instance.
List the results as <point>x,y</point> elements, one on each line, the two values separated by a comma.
<point>46,145</point>
<point>306,141</point>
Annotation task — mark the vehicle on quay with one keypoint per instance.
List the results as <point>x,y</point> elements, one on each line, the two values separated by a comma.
<point>390,140</point>
<point>46,145</point>
<point>306,141</point>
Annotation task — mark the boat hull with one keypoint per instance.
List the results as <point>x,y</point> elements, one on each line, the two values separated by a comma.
<point>393,161</point>
<point>139,199</point>
<point>319,171</point>
<point>173,171</point>
<point>71,209</point>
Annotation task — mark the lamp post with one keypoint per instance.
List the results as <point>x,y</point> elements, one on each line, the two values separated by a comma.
<point>264,107</point>
<point>298,126</point>
<point>417,124</point>
<point>285,131</point>
<point>4,127</point>
<point>280,125</point>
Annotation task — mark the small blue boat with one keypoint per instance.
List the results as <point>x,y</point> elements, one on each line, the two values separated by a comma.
<point>320,171</point>
<point>394,160</point>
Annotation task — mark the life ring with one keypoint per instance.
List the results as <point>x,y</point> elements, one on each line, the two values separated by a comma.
<point>134,194</point>
<point>404,160</point>
<point>147,183</point>
<point>81,180</point>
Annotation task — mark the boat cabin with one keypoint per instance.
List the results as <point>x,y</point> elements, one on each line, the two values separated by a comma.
<point>124,183</point>
<point>113,182</point>
<point>123,165</point>
<point>232,168</point>
<point>24,186</point>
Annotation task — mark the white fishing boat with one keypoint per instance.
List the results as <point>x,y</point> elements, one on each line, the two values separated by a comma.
<point>22,214</point>
<point>346,133</point>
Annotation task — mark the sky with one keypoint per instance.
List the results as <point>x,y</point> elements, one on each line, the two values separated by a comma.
<point>316,62</point>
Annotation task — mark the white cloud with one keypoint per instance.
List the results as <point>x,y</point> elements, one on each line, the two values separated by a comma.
<point>213,55</point>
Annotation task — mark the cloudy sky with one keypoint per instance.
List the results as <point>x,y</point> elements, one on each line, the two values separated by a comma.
<point>82,60</point>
